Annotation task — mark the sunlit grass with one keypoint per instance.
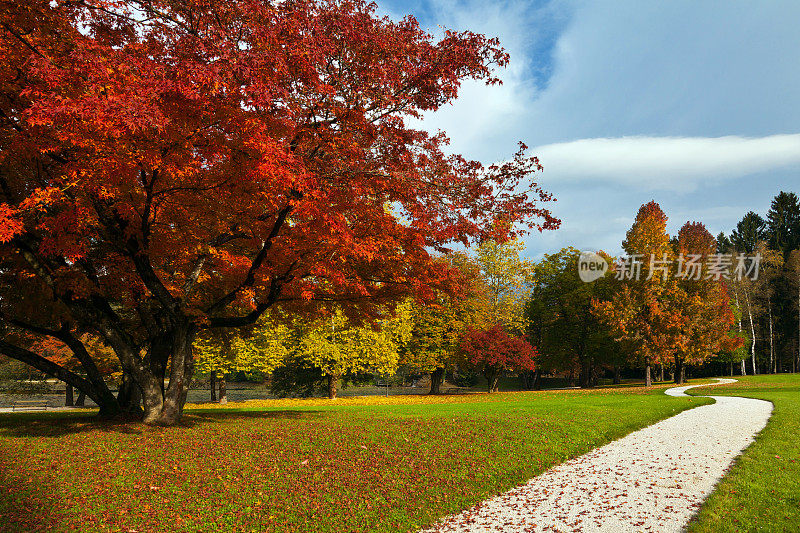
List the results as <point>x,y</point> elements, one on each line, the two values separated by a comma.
<point>762,490</point>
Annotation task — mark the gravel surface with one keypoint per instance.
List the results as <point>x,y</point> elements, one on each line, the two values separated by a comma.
<point>651,480</point>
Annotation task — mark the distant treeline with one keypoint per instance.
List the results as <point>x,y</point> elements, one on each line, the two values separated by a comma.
<point>770,306</point>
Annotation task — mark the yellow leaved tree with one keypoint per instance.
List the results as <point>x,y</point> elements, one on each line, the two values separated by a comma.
<point>507,282</point>
<point>262,349</point>
<point>494,284</point>
<point>439,324</point>
<point>337,347</point>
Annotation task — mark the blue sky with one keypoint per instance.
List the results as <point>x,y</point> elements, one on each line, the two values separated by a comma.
<point>693,104</point>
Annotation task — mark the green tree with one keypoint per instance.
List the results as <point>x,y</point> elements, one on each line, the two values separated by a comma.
<point>561,321</point>
<point>783,223</point>
<point>748,233</point>
<point>724,244</point>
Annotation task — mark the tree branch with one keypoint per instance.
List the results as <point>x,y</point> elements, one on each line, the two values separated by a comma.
<point>78,349</point>
<point>257,261</point>
<point>197,267</point>
<point>274,292</point>
<point>51,369</point>
<point>140,258</point>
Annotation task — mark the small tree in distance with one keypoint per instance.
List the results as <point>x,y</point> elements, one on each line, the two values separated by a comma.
<point>494,352</point>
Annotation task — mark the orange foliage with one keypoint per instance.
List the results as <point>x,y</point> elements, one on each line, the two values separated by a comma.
<point>665,318</point>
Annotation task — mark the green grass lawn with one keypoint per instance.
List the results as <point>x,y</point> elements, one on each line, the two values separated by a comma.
<point>373,464</point>
<point>762,490</point>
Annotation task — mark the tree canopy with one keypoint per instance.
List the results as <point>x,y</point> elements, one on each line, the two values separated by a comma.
<point>171,166</point>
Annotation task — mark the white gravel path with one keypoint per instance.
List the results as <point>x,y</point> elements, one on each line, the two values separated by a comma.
<point>653,479</point>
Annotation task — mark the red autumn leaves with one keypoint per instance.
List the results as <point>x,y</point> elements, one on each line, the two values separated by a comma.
<point>169,166</point>
<point>494,352</point>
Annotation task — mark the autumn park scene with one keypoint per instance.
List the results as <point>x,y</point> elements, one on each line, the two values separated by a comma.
<point>430,266</point>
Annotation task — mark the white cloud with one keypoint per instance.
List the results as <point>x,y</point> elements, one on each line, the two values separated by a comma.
<point>686,103</point>
<point>666,163</point>
<point>486,121</point>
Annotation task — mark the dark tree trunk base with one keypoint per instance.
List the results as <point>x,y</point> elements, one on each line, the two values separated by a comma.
<point>333,385</point>
<point>223,389</point>
<point>437,378</point>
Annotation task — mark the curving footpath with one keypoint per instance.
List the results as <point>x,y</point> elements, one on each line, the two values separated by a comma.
<point>654,479</point>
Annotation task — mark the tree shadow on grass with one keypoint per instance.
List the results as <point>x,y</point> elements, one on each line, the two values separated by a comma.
<point>195,418</point>
<point>54,425</point>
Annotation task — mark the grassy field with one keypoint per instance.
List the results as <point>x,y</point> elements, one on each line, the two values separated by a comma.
<point>762,490</point>
<point>371,464</point>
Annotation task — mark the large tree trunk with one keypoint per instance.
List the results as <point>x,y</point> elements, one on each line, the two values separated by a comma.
<point>69,401</point>
<point>491,380</point>
<point>616,380</point>
<point>648,381</point>
<point>152,399</point>
<point>143,377</point>
<point>223,389</point>
<point>680,375</point>
<point>129,395</point>
<point>164,405</point>
<point>585,377</point>
<point>333,384</point>
<point>211,379</point>
<point>437,378</point>
<point>526,378</point>
<point>81,401</point>
<point>537,380</point>
<point>661,372</point>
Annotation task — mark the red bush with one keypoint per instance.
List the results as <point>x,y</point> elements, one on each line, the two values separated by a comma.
<point>493,351</point>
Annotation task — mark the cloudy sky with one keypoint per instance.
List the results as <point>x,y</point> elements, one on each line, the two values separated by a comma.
<point>694,104</point>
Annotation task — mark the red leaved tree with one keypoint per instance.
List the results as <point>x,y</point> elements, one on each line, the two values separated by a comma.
<point>173,165</point>
<point>703,303</point>
<point>494,352</point>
